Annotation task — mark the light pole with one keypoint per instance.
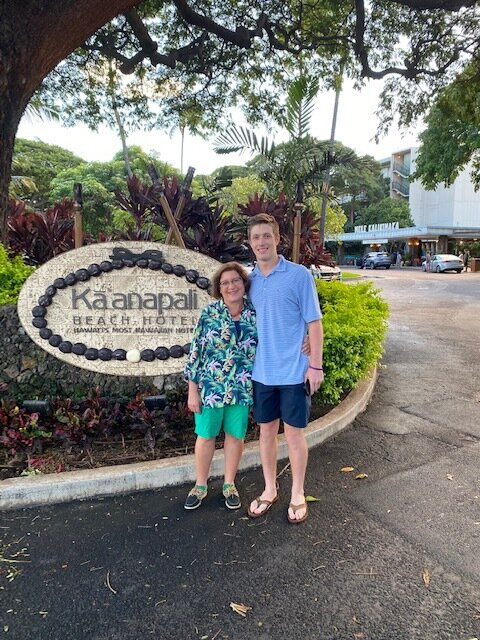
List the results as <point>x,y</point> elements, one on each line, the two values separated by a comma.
<point>77,215</point>
<point>298,208</point>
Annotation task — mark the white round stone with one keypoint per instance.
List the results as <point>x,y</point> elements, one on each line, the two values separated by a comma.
<point>133,355</point>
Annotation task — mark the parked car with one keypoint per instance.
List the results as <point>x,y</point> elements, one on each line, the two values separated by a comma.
<point>248,265</point>
<point>325,272</point>
<point>376,260</point>
<point>444,262</point>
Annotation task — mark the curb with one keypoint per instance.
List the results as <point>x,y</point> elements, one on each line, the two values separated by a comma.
<point>16,493</point>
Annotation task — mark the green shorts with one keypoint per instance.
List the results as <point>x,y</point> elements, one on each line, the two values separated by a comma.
<point>232,417</point>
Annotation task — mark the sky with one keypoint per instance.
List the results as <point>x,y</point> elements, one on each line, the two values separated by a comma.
<point>356,128</point>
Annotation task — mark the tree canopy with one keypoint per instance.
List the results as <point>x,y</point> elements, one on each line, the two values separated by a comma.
<point>387,210</point>
<point>41,163</point>
<point>199,59</point>
<point>452,137</point>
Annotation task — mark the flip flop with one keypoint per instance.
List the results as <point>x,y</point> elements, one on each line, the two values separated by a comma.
<point>260,502</point>
<point>295,508</point>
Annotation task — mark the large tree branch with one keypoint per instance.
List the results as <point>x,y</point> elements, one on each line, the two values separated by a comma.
<point>429,5</point>
<point>241,37</point>
<point>409,71</point>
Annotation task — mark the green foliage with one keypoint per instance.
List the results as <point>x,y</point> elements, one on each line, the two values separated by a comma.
<point>13,273</point>
<point>474,248</point>
<point>73,425</point>
<point>358,185</point>
<point>302,94</point>
<point>239,192</point>
<point>141,160</point>
<point>452,137</point>
<point>335,218</point>
<point>97,199</point>
<point>200,62</point>
<point>387,210</point>
<point>355,325</point>
<point>100,180</point>
<point>40,163</point>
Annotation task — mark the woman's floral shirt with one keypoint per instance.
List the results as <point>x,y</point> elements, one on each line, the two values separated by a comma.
<point>220,362</point>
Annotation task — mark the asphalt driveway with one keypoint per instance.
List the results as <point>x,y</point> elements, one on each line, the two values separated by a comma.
<point>392,556</point>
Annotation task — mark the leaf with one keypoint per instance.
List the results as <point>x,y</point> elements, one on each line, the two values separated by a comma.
<point>347,469</point>
<point>241,609</point>
<point>426,577</point>
<point>361,476</point>
<point>311,499</point>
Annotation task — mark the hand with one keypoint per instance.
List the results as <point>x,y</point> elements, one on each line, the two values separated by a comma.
<point>306,345</point>
<point>315,379</point>
<point>194,402</point>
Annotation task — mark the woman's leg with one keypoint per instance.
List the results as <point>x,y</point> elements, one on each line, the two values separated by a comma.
<point>232,451</point>
<point>204,450</point>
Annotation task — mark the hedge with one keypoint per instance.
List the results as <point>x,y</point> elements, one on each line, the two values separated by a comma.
<point>354,325</point>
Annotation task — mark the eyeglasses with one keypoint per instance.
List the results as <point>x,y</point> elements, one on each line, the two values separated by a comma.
<point>227,283</point>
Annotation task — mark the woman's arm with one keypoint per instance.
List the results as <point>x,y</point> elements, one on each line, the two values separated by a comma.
<point>194,402</point>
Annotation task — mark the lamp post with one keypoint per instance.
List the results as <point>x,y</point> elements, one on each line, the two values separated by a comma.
<point>298,208</point>
<point>77,215</point>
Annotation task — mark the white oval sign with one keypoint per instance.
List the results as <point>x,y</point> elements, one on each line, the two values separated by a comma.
<point>122,308</point>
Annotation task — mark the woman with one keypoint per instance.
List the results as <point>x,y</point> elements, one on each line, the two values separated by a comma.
<point>218,371</point>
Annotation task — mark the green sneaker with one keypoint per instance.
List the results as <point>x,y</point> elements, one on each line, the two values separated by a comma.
<point>195,497</point>
<point>232,499</point>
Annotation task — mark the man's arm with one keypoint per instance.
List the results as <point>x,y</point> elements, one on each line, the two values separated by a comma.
<point>315,370</point>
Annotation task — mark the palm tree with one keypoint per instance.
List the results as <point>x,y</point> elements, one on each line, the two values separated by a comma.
<point>301,159</point>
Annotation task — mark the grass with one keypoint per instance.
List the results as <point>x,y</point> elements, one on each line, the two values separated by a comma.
<point>350,275</point>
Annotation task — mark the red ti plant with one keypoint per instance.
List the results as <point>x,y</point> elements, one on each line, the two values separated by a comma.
<point>311,252</point>
<point>38,237</point>
<point>278,209</point>
<point>138,203</point>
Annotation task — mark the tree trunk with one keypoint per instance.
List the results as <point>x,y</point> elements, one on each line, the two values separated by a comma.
<point>326,178</point>
<point>123,138</point>
<point>35,35</point>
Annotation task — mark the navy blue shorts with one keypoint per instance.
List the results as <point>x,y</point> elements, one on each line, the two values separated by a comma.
<point>289,402</point>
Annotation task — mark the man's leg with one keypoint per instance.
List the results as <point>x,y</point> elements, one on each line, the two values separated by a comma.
<point>298,455</point>
<point>268,456</point>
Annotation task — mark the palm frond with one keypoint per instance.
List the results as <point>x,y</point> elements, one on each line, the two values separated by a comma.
<point>242,139</point>
<point>37,109</point>
<point>300,104</point>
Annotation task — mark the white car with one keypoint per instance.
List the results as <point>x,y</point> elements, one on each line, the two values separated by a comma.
<point>248,266</point>
<point>324,272</point>
<point>444,262</point>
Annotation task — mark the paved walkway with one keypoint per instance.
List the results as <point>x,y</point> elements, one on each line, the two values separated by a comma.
<point>392,556</point>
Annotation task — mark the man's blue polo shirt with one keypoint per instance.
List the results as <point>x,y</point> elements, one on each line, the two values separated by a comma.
<point>285,302</point>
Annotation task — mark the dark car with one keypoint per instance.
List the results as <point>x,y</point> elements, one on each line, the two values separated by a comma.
<point>376,260</point>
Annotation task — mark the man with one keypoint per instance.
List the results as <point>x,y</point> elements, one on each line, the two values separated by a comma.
<point>428,261</point>
<point>286,303</point>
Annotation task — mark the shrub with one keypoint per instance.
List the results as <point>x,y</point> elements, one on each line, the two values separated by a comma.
<point>13,273</point>
<point>355,324</point>
<point>38,237</point>
<point>75,425</point>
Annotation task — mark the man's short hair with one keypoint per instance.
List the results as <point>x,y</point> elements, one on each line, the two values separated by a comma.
<point>263,218</point>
